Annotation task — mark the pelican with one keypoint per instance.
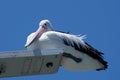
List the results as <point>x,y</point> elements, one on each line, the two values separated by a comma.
<point>78,55</point>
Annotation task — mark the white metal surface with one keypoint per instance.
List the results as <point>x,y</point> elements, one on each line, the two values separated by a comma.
<point>21,63</point>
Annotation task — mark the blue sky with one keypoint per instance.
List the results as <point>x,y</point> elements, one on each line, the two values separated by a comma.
<point>98,19</point>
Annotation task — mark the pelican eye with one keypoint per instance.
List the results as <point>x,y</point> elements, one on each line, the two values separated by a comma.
<point>45,24</point>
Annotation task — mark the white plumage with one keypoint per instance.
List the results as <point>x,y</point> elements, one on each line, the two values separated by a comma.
<point>78,55</point>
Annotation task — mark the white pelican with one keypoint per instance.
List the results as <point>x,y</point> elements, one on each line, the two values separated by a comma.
<point>78,54</point>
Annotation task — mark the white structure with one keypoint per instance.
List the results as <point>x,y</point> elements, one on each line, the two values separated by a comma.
<point>22,63</point>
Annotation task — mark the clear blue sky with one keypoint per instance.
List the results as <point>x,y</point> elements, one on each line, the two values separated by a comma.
<point>98,19</point>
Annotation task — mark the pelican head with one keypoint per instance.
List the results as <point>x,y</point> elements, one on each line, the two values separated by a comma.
<point>44,26</point>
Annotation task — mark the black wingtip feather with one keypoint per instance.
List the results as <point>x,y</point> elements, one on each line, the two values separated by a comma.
<point>105,66</point>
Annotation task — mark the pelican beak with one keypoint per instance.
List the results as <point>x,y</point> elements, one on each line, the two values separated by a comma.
<point>37,34</point>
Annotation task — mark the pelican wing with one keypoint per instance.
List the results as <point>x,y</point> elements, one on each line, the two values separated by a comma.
<point>82,46</point>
